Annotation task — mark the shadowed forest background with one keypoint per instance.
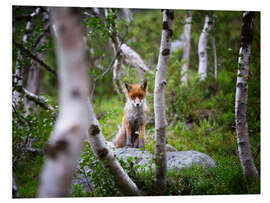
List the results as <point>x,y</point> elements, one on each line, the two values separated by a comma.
<point>200,114</point>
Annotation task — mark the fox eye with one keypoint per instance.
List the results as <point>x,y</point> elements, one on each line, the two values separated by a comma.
<point>140,96</point>
<point>132,97</point>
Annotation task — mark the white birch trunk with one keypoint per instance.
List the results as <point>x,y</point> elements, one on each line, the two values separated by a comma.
<point>118,65</point>
<point>215,50</point>
<point>215,57</point>
<point>186,47</point>
<point>33,86</point>
<point>202,47</point>
<point>102,151</point>
<point>159,100</point>
<point>19,72</point>
<point>73,120</point>
<point>18,80</point>
<point>241,97</point>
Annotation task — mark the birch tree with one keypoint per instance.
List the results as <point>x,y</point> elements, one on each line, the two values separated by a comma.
<point>76,115</point>
<point>19,73</point>
<point>202,47</point>
<point>214,49</point>
<point>186,47</point>
<point>159,100</point>
<point>118,65</point>
<point>241,97</point>
<point>73,120</point>
<point>33,80</point>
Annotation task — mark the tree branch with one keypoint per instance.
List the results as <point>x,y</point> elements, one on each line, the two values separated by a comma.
<point>46,31</point>
<point>40,100</point>
<point>34,57</point>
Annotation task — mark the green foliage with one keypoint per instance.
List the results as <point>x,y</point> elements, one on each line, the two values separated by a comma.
<point>101,179</point>
<point>200,114</point>
<point>33,131</point>
<point>225,178</point>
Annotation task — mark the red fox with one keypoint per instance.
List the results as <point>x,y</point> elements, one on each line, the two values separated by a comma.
<point>134,121</point>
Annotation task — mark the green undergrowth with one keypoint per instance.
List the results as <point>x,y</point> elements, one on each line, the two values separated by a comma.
<point>223,179</point>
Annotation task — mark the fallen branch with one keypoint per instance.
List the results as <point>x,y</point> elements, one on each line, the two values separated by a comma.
<point>40,100</point>
<point>133,58</point>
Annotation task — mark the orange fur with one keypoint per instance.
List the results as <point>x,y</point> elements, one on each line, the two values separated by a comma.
<point>135,117</point>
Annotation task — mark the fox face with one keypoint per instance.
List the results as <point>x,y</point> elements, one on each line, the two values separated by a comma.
<point>136,93</point>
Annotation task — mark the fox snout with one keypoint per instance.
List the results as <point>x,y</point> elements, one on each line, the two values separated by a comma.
<point>137,102</point>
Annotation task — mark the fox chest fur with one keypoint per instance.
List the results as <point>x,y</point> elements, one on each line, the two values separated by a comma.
<point>136,117</point>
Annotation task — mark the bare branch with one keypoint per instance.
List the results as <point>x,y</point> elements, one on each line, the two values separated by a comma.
<point>34,57</point>
<point>40,100</point>
<point>133,58</point>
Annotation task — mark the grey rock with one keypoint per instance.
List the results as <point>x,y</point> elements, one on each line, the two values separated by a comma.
<point>170,148</point>
<point>176,160</point>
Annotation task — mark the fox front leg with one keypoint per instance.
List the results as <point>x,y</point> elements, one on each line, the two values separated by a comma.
<point>128,136</point>
<point>141,137</point>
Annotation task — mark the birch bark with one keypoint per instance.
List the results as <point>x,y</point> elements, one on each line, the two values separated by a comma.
<point>76,114</point>
<point>215,49</point>
<point>102,151</point>
<point>241,97</point>
<point>159,100</point>
<point>186,47</point>
<point>33,86</point>
<point>33,80</point>
<point>202,47</point>
<point>19,73</point>
<point>73,120</point>
<point>118,65</point>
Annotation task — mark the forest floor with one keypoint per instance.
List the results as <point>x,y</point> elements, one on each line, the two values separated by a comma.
<point>210,130</point>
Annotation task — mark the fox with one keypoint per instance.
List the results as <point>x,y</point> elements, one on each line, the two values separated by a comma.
<point>136,111</point>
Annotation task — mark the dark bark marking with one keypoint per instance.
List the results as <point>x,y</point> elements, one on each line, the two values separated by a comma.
<point>164,83</point>
<point>53,149</point>
<point>240,85</point>
<point>75,93</point>
<point>62,29</point>
<point>93,130</point>
<point>170,14</point>
<point>165,25</point>
<point>202,53</point>
<point>165,52</point>
<point>74,11</point>
<point>170,32</point>
<point>247,29</point>
<point>102,153</point>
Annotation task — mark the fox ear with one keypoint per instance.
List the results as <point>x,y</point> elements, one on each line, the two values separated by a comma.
<point>144,85</point>
<point>128,87</point>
